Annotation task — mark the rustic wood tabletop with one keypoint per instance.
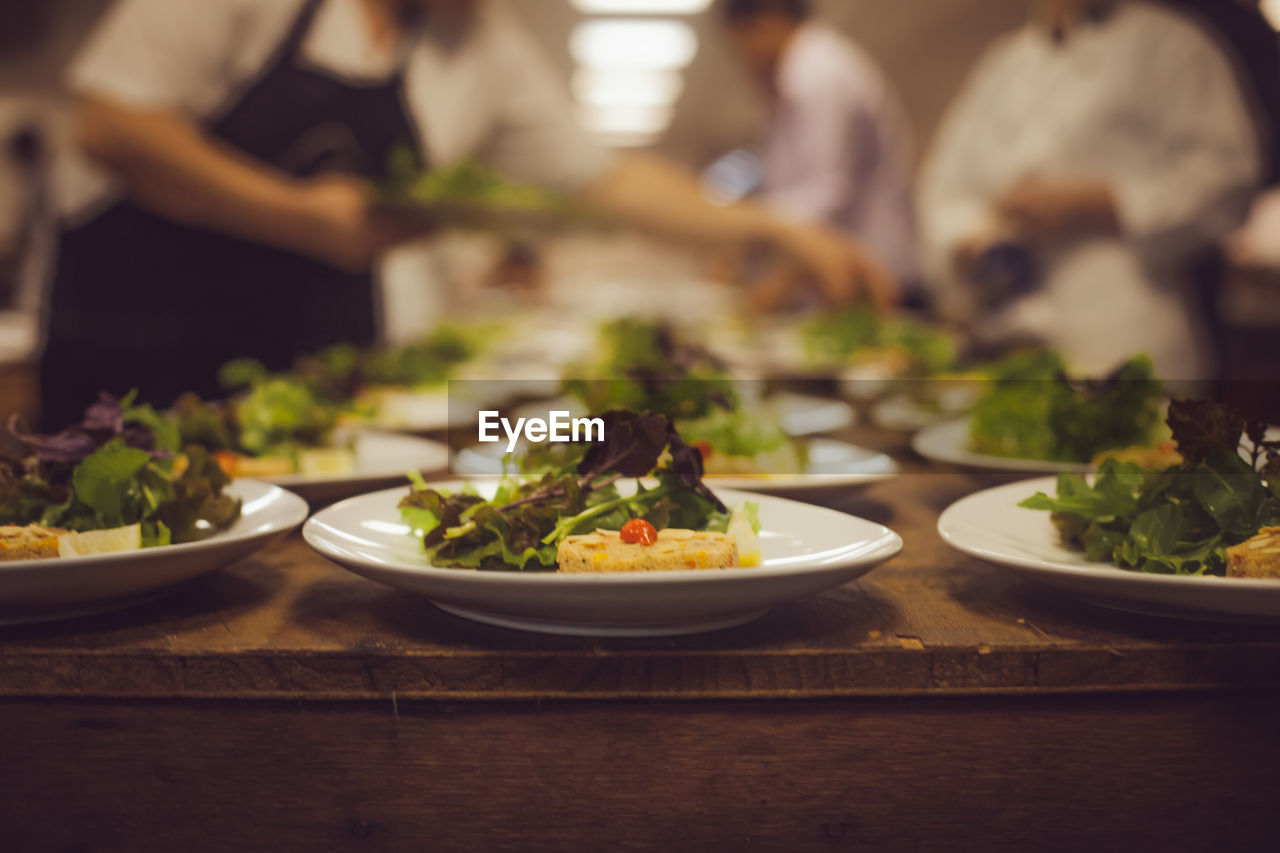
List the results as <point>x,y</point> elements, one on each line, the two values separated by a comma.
<point>936,682</point>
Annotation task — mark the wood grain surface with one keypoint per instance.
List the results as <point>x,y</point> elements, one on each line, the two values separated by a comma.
<point>937,704</point>
<point>1182,772</point>
<point>287,624</point>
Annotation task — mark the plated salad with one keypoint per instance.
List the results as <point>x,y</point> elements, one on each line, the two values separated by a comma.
<point>1032,409</point>
<point>345,373</point>
<point>1216,512</point>
<point>121,479</point>
<point>573,515</point>
<point>276,424</point>
<point>900,346</point>
<point>470,194</point>
<point>650,368</point>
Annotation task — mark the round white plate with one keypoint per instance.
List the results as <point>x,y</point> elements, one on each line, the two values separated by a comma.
<point>798,414</point>
<point>832,465</point>
<point>806,549</point>
<point>424,411</point>
<point>408,409</point>
<point>951,398</point>
<point>382,459</point>
<point>991,526</point>
<point>802,415</point>
<point>901,413</point>
<point>948,442</point>
<point>41,590</point>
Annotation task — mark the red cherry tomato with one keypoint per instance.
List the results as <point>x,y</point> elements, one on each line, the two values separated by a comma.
<point>637,531</point>
<point>704,448</point>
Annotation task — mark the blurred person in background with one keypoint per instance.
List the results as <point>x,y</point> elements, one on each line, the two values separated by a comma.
<point>25,223</point>
<point>223,205</point>
<point>837,149</point>
<point>21,167</point>
<point>1089,162</point>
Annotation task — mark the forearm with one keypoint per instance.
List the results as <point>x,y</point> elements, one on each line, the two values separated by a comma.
<point>651,194</point>
<point>167,165</point>
<point>1095,209</point>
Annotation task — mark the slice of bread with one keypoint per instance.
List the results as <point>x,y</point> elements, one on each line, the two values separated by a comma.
<point>675,550</point>
<point>32,542</point>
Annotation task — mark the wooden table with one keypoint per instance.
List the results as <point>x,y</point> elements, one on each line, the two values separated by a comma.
<point>937,704</point>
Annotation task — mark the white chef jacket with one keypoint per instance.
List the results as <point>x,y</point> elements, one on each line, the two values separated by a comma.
<point>1142,98</point>
<point>493,96</point>
<point>838,148</point>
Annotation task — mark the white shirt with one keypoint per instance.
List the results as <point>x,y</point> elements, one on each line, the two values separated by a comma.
<point>1142,98</point>
<point>838,150</point>
<point>495,96</point>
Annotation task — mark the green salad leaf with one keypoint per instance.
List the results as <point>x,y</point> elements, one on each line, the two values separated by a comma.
<point>1033,410</point>
<point>467,182</point>
<point>338,374</point>
<point>649,367</point>
<point>521,527</point>
<point>1180,520</point>
<point>859,331</point>
<point>116,468</point>
<point>275,415</point>
<point>107,483</point>
<point>646,366</point>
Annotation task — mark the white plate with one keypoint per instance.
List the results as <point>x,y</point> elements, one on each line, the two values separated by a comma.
<point>904,414</point>
<point>832,465</point>
<point>40,590</point>
<point>951,398</point>
<point>797,414</point>
<point>407,409</point>
<point>801,414</point>
<point>439,409</point>
<point>382,459</point>
<point>991,526</point>
<point>806,549</point>
<point>949,441</point>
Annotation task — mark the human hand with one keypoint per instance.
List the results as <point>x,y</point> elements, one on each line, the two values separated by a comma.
<point>843,270</point>
<point>337,225</point>
<point>1048,212</point>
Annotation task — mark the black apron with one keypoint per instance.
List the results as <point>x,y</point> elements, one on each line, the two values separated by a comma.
<point>139,301</point>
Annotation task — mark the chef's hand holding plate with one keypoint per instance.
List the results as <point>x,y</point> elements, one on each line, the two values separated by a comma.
<point>338,225</point>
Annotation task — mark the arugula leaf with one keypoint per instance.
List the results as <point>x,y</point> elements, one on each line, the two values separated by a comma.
<point>1113,494</point>
<point>1231,492</point>
<point>1176,521</point>
<point>1271,472</point>
<point>1202,427</point>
